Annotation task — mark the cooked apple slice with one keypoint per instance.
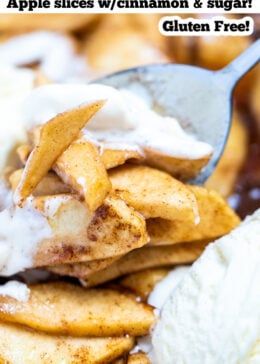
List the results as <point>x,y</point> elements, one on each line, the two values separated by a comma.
<point>51,184</point>
<point>59,229</point>
<point>55,137</point>
<point>154,193</point>
<point>80,235</point>
<point>79,269</point>
<point>66,309</point>
<point>142,283</point>
<point>81,167</point>
<point>181,168</point>
<point>115,157</point>
<point>23,152</point>
<point>21,345</point>
<point>216,219</point>
<point>138,358</point>
<point>147,257</point>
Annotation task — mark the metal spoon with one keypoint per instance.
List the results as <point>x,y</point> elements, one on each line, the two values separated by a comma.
<point>201,100</point>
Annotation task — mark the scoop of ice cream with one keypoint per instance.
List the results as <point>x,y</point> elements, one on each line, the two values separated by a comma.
<point>157,298</point>
<point>163,289</point>
<point>213,316</point>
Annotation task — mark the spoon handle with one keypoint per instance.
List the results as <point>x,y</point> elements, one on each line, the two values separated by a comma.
<point>242,64</point>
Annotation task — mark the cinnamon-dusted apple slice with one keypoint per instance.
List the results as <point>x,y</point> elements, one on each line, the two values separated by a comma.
<point>23,152</point>
<point>83,268</point>
<point>81,167</point>
<point>66,309</point>
<point>181,168</point>
<point>154,193</point>
<point>51,184</point>
<point>138,358</point>
<point>19,344</point>
<point>55,137</point>
<point>115,157</point>
<point>216,219</point>
<point>80,235</point>
<point>142,283</point>
<point>59,229</point>
<point>147,257</point>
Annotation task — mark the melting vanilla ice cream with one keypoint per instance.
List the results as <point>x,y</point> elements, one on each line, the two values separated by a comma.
<point>16,290</point>
<point>213,315</point>
<point>21,230</point>
<point>125,117</point>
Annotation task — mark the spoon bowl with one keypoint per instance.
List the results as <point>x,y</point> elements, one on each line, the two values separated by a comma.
<point>201,100</point>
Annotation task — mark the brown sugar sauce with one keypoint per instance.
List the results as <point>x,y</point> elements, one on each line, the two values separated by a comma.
<point>247,189</point>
